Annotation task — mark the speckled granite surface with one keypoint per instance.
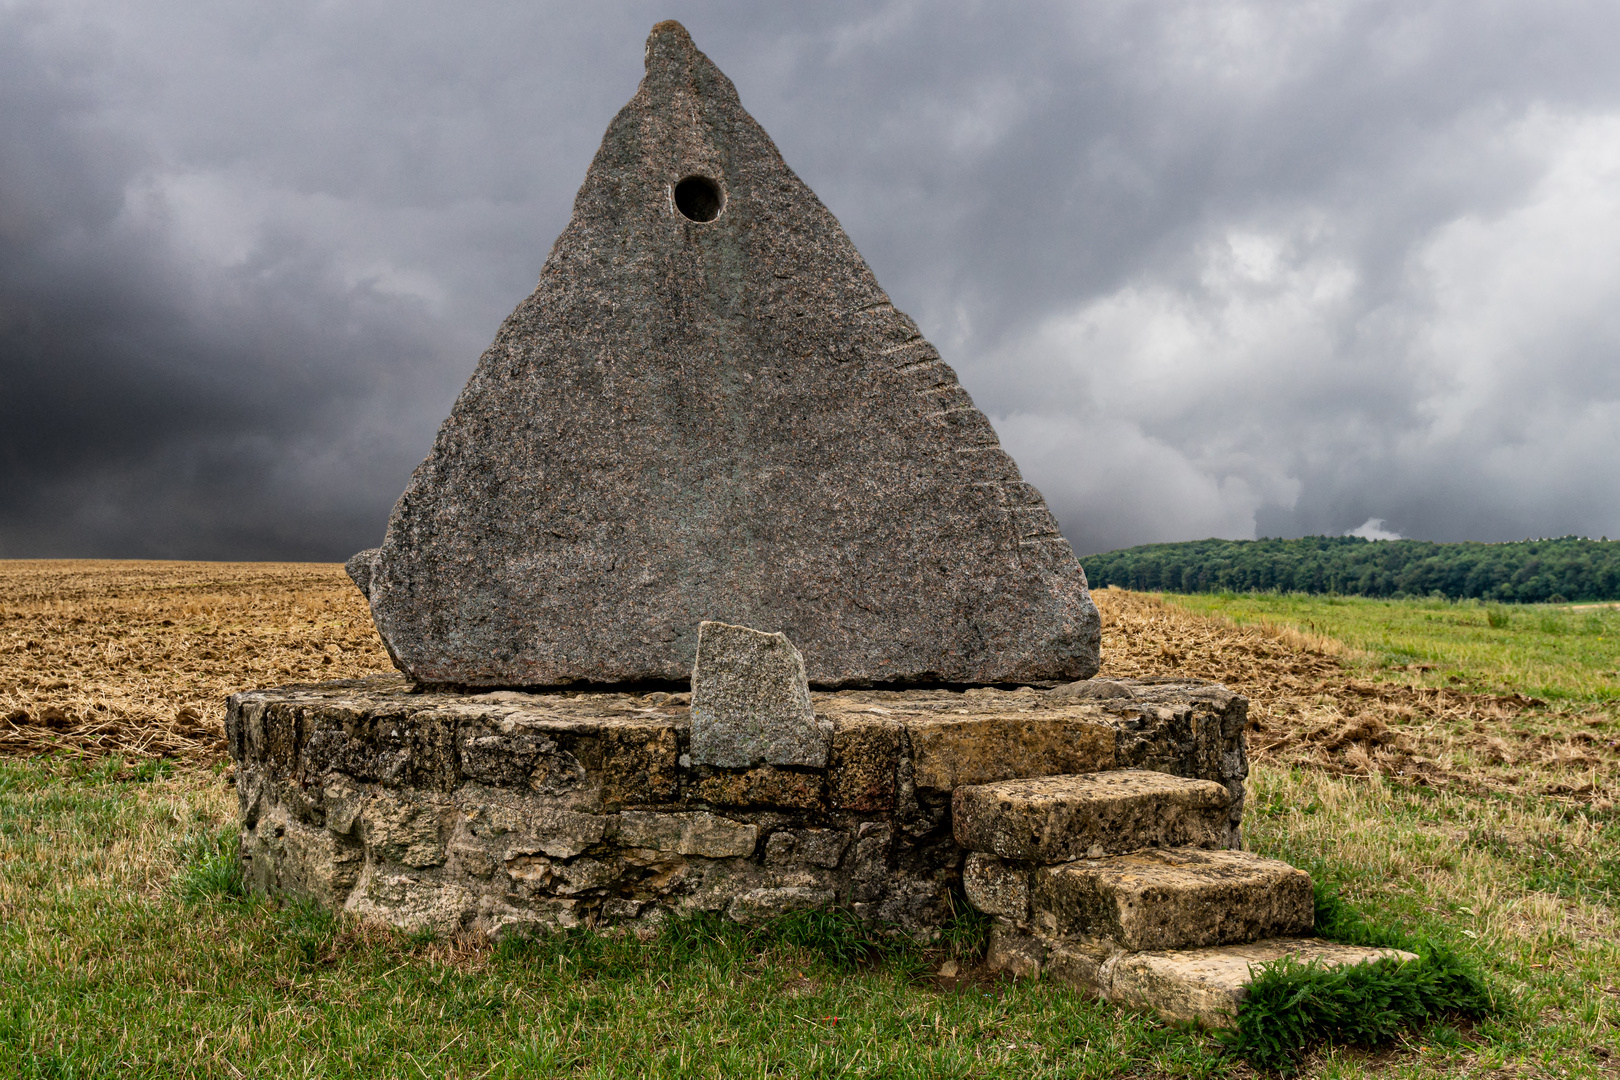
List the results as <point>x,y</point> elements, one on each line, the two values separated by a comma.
<point>722,419</point>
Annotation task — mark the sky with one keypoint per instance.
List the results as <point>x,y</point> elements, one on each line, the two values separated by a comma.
<point>1211,268</point>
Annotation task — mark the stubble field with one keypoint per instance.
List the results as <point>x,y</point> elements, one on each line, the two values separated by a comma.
<point>1445,790</point>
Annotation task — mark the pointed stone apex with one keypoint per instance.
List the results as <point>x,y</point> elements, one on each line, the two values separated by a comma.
<point>676,66</point>
<point>669,38</point>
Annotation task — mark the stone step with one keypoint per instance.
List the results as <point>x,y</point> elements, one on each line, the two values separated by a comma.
<point>1206,985</point>
<point>1057,819</point>
<point>1172,898</point>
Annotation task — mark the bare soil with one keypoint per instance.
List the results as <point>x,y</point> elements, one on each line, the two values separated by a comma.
<point>1316,704</point>
<point>136,658</point>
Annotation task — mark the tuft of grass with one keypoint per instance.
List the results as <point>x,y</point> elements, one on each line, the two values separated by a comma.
<point>966,935</point>
<point>1292,1004</point>
<point>211,866</point>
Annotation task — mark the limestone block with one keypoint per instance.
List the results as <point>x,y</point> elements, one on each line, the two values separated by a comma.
<point>711,885</point>
<point>1208,985</point>
<point>519,759</point>
<point>537,916</point>
<point>869,862</point>
<point>252,792</point>
<point>382,744</point>
<point>618,909</point>
<point>471,859</point>
<point>764,786</point>
<point>751,703</point>
<point>806,847</point>
<point>914,902</point>
<point>279,855</point>
<point>639,763</point>
<point>1173,898</point>
<point>402,829</point>
<point>1180,726</point>
<point>413,900</point>
<point>996,887</point>
<point>584,875</point>
<point>316,864</point>
<point>948,753</point>
<point>1054,819</point>
<point>865,754</point>
<point>1013,950</point>
<point>1083,965</point>
<point>695,833</point>
<point>758,905</point>
<point>343,801</point>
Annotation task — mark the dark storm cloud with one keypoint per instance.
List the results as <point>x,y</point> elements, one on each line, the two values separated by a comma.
<point>1212,268</point>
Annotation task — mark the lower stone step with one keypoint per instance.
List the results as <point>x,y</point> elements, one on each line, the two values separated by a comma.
<point>1054,819</point>
<point>1172,898</point>
<point>1206,985</point>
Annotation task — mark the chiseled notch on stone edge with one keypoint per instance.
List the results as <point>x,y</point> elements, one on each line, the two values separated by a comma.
<point>751,702</point>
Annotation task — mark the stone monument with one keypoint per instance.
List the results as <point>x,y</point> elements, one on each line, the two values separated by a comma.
<point>709,410</point>
<point>708,448</point>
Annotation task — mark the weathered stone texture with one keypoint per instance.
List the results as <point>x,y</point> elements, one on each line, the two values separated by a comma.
<point>951,751</point>
<point>511,812</point>
<point>1184,727</point>
<point>1208,985</point>
<point>751,703</point>
<point>995,887</point>
<point>717,419</point>
<point>1055,819</point>
<point>1175,898</point>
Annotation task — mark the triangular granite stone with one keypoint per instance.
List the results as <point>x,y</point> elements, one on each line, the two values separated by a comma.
<point>709,410</point>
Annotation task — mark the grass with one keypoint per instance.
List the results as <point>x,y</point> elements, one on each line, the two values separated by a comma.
<point>128,949</point>
<point>109,967</point>
<point>1559,653</point>
<point>1291,1004</point>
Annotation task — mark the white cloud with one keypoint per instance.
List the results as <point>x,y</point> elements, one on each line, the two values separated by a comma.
<point>1373,529</point>
<point>1269,373</point>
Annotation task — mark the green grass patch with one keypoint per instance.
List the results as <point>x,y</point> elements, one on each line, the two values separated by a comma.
<point>210,866</point>
<point>1559,653</point>
<point>1293,1004</point>
<point>127,949</point>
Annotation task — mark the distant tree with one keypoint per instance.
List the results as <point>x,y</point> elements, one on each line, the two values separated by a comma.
<point>1530,571</point>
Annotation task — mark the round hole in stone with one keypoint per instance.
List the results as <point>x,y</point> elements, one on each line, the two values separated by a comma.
<point>699,199</point>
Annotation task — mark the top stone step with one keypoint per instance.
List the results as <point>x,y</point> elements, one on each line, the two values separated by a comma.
<point>709,410</point>
<point>1056,819</point>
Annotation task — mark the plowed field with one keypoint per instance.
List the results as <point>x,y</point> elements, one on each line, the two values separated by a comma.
<point>136,658</point>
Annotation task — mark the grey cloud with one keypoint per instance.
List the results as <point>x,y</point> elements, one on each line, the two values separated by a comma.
<point>1212,268</point>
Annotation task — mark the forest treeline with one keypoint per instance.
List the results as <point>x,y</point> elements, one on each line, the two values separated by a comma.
<point>1530,571</point>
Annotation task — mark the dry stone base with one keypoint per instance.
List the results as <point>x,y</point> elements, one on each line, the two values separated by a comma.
<point>1204,985</point>
<point>512,811</point>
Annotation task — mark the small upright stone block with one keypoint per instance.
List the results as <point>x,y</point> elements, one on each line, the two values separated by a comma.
<point>751,702</point>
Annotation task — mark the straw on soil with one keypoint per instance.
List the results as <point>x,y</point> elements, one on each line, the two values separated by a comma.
<point>1316,704</point>
<point>136,658</point>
